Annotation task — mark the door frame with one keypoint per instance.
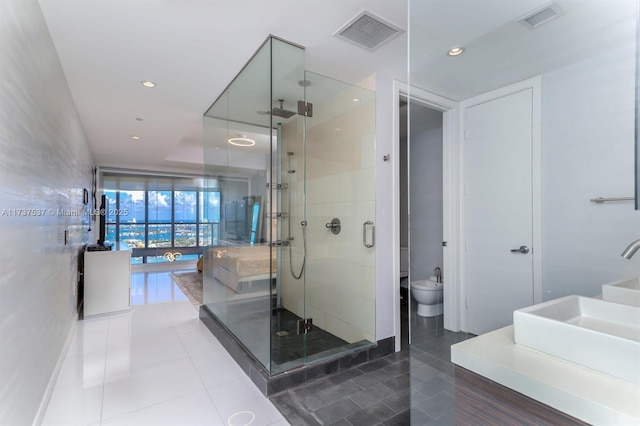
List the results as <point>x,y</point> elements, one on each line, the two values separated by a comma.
<point>451,199</point>
<point>535,84</point>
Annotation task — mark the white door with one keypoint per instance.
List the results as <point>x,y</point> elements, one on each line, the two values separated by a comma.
<point>499,209</point>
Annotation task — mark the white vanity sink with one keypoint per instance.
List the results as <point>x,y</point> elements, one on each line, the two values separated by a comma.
<point>627,292</point>
<point>601,335</point>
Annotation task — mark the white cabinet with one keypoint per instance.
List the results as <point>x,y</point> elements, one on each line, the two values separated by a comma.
<point>107,280</point>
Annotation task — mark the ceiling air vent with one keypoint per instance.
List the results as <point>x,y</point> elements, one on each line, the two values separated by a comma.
<point>541,15</point>
<point>368,31</point>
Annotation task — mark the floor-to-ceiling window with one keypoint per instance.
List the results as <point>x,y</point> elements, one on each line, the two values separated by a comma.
<point>161,218</point>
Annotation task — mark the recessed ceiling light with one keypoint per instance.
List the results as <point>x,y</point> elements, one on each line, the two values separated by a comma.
<point>456,51</point>
<point>136,137</point>
<point>147,83</point>
<point>356,100</point>
<point>241,142</point>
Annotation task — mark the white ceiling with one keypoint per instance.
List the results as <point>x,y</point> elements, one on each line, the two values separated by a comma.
<point>193,49</point>
<point>499,50</point>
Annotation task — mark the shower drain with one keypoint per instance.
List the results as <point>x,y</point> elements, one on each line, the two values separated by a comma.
<point>282,333</point>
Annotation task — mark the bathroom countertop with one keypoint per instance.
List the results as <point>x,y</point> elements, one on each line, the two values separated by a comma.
<point>586,394</point>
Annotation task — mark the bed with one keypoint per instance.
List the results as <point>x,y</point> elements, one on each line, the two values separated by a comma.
<point>244,269</point>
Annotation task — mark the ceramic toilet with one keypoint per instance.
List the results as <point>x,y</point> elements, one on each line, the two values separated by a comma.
<point>428,294</point>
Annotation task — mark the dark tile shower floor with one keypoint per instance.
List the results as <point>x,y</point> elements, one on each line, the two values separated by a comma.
<point>287,345</point>
<point>412,387</point>
<point>281,343</point>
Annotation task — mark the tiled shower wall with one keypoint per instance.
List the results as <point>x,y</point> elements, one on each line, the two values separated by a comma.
<point>45,163</point>
<point>339,292</point>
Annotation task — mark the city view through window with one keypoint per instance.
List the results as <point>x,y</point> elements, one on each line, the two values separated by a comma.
<point>156,222</point>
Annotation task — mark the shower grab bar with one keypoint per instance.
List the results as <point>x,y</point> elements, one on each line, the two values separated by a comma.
<point>364,234</point>
<point>600,200</point>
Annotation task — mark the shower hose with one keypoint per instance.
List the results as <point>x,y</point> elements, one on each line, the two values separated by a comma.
<point>290,172</point>
<point>304,252</point>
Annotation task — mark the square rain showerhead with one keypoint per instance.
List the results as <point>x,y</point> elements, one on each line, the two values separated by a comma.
<point>283,113</point>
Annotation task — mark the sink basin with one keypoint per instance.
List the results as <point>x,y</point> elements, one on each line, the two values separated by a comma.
<point>597,334</point>
<point>627,292</point>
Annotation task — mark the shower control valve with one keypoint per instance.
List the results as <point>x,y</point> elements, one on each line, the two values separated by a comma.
<point>334,225</point>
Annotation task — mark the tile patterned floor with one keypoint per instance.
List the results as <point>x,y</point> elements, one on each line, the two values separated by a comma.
<point>155,365</point>
<point>411,387</point>
<point>158,365</point>
<point>293,346</point>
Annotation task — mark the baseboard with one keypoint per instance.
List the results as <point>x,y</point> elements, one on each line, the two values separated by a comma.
<point>46,397</point>
<point>272,384</point>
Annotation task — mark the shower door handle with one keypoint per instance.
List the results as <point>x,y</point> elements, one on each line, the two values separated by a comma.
<point>364,234</point>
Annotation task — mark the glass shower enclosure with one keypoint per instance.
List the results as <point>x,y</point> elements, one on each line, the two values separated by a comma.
<point>290,157</point>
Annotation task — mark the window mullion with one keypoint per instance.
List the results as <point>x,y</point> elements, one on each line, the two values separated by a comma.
<point>146,219</point>
<point>173,218</point>
<point>198,217</point>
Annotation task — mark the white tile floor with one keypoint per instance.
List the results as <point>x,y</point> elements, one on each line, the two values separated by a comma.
<point>154,365</point>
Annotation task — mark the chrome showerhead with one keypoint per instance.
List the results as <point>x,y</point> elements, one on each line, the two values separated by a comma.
<point>281,112</point>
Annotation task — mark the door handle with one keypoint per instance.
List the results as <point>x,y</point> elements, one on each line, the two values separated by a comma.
<point>522,249</point>
<point>364,234</point>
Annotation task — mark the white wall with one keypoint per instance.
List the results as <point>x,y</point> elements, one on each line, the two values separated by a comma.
<point>588,152</point>
<point>425,182</point>
<point>44,164</point>
<point>387,202</point>
<point>404,176</point>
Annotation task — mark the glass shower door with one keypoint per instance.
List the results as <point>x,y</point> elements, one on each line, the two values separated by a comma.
<point>287,209</point>
<point>340,183</point>
<point>292,274</point>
